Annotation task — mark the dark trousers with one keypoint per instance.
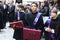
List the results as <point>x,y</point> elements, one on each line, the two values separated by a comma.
<point>18,34</point>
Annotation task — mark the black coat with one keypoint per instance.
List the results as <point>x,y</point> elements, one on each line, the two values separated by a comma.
<point>44,10</point>
<point>57,31</point>
<point>4,11</point>
<point>29,18</point>
<point>18,34</point>
<point>11,13</point>
<point>53,25</point>
<point>22,16</point>
<point>1,20</point>
<point>3,14</point>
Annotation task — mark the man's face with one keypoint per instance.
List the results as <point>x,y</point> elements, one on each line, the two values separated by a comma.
<point>53,15</point>
<point>3,1</point>
<point>33,7</point>
<point>19,9</point>
<point>42,4</point>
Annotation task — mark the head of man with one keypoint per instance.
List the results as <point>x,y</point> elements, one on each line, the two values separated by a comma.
<point>34,7</point>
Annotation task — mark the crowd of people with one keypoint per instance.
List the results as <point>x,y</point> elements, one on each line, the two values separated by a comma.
<point>6,12</point>
<point>32,16</point>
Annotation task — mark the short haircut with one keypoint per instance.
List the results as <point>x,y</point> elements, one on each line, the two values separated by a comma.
<point>54,11</point>
<point>21,6</point>
<point>35,3</point>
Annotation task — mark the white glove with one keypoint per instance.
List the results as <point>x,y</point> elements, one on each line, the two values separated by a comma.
<point>52,31</point>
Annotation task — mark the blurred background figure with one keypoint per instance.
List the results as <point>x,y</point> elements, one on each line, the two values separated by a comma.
<point>39,4</point>
<point>3,10</point>
<point>44,8</point>
<point>1,18</point>
<point>27,8</point>
<point>11,11</point>
<point>55,3</point>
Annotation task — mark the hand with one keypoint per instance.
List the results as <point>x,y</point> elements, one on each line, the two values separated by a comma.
<point>49,30</point>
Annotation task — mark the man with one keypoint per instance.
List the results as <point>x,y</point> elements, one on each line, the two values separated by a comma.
<point>31,18</point>
<point>55,3</point>
<point>11,11</point>
<point>4,9</point>
<point>44,9</point>
<point>50,26</point>
<point>19,15</point>
<point>1,18</point>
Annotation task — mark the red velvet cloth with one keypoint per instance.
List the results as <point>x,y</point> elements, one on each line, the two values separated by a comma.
<point>31,34</point>
<point>17,25</point>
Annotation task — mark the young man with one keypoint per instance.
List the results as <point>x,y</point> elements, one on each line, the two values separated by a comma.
<point>19,15</point>
<point>34,19</point>
<point>50,26</point>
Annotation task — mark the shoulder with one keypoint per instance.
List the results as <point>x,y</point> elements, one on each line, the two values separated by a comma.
<point>58,18</point>
<point>28,13</point>
<point>22,13</point>
<point>40,13</point>
<point>13,6</point>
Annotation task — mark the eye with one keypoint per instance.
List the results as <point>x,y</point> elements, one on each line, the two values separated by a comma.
<point>31,6</point>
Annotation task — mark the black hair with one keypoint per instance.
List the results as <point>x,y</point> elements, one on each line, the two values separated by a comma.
<point>35,3</point>
<point>46,3</point>
<point>0,1</point>
<point>27,8</point>
<point>21,6</point>
<point>28,5</point>
<point>54,11</point>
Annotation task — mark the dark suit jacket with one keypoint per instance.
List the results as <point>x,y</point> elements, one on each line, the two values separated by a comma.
<point>3,15</point>
<point>18,34</point>
<point>53,25</point>
<point>4,11</point>
<point>29,18</point>
<point>22,16</point>
<point>44,11</point>
<point>11,13</point>
<point>1,20</point>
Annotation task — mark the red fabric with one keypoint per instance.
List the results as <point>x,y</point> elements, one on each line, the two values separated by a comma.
<point>31,34</point>
<point>17,25</point>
